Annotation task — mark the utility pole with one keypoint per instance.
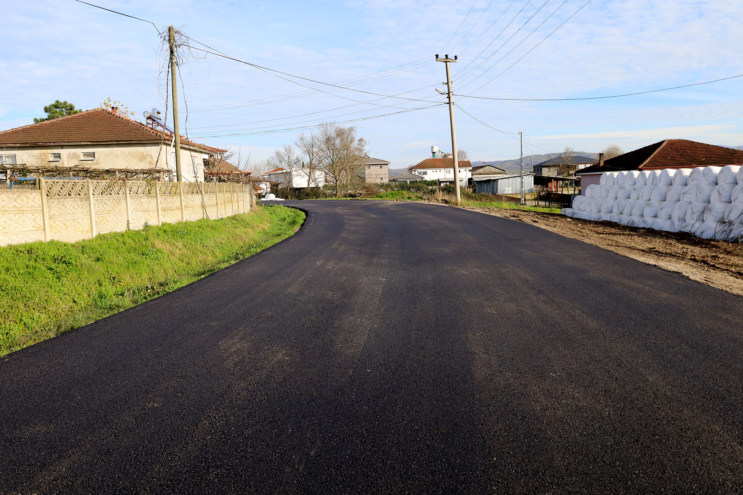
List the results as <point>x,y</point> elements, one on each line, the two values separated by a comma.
<point>173,82</point>
<point>447,60</point>
<point>523,196</point>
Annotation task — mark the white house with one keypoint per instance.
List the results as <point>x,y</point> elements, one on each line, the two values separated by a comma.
<point>299,178</point>
<point>442,170</point>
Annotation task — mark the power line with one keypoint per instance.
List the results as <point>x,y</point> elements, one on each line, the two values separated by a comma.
<point>120,13</point>
<point>460,25</point>
<point>604,97</point>
<point>473,26</point>
<point>291,129</point>
<point>488,29</point>
<point>509,134</point>
<point>535,46</point>
<point>517,45</point>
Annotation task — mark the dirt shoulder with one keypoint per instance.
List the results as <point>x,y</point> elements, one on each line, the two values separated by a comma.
<point>715,263</point>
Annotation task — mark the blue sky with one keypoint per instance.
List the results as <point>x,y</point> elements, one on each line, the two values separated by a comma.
<point>68,51</point>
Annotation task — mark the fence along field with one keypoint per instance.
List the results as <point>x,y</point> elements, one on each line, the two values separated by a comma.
<point>71,210</point>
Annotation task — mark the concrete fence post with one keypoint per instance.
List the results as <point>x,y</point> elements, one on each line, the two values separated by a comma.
<point>91,205</point>
<point>44,209</point>
<point>128,206</point>
<point>157,201</point>
<point>183,210</point>
<point>216,193</point>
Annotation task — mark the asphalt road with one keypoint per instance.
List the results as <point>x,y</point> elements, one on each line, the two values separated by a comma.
<point>388,348</point>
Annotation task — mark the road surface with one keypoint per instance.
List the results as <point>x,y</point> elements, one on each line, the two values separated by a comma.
<point>387,348</point>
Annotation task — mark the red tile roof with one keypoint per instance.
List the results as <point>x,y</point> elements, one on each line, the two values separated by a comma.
<point>441,163</point>
<point>91,127</point>
<point>275,171</point>
<point>220,166</point>
<point>671,153</point>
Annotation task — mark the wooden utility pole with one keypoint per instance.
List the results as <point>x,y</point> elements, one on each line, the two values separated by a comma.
<point>447,60</point>
<point>523,197</point>
<point>174,84</point>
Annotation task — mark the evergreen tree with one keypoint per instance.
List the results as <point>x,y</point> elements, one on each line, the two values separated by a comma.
<point>58,109</point>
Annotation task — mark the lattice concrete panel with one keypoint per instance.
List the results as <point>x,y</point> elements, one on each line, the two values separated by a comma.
<point>21,218</point>
<point>69,228</point>
<point>110,223</point>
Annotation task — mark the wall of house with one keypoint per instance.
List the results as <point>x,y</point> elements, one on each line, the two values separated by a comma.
<point>376,174</point>
<point>114,156</point>
<point>71,210</point>
<point>587,180</point>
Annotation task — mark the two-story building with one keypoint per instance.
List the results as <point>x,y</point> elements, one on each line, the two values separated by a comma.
<point>375,170</point>
<point>442,170</point>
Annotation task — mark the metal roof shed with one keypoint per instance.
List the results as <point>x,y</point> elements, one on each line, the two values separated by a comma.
<point>503,184</point>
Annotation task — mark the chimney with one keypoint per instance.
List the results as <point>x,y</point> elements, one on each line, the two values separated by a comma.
<point>601,159</point>
<point>115,110</point>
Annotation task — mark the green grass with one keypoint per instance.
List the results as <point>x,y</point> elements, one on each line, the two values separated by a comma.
<point>509,206</point>
<point>49,288</point>
<point>399,195</point>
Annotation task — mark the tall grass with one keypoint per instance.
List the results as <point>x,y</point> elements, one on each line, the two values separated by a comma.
<point>49,288</point>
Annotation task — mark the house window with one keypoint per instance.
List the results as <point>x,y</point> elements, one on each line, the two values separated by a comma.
<point>88,155</point>
<point>424,173</point>
<point>381,179</point>
<point>368,167</point>
<point>380,167</point>
<point>55,157</point>
<point>7,159</point>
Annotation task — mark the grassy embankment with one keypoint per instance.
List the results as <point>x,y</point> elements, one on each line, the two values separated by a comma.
<point>49,288</point>
<point>509,206</point>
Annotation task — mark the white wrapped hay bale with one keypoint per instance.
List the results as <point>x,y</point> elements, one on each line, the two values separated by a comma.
<point>659,193</point>
<point>652,179</point>
<point>702,193</point>
<point>568,212</point>
<point>670,226</point>
<point>674,193</point>
<point>629,205</point>
<point>613,192</point>
<point>728,174</point>
<point>740,176</point>
<point>619,206</point>
<point>714,212</point>
<point>606,217</point>
<point>736,233</point>
<point>709,175</point>
<point>635,193</point>
<point>611,179</point>
<point>619,181</point>
<point>646,192</point>
<point>607,206</point>
<point>639,209</point>
<point>602,179</point>
<point>577,201</point>
<point>636,222</point>
<point>665,178</point>
<point>591,191</point>
<point>651,209</point>
<point>605,191</point>
<point>614,218</point>
<point>665,210</point>
<point>687,194</point>
<point>679,213</point>
<point>681,177</point>
<point>706,230</point>
<point>595,205</point>
<point>695,213</point>
<point>624,219</point>
<point>734,213</point>
<point>737,196</point>
<point>647,222</point>
<point>695,176</point>
<point>624,192</point>
<point>723,193</point>
<point>642,178</point>
<point>630,177</point>
<point>658,224</point>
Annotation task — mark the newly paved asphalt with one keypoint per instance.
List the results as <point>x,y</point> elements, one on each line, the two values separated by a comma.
<point>389,348</point>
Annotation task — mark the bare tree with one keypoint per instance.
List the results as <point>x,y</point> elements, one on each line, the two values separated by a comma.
<point>462,155</point>
<point>236,159</point>
<point>311,147</point>
<point>565,164</point>
<point>341,154</point>
<point>287,162</point>
<point>612,151</point>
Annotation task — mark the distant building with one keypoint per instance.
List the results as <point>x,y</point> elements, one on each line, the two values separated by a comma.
<point>551,167</point>
<point>503,184</point>
<point>442,170</point>
<point>295,179</point>
<point>375,170</point>
<point>406,177</point>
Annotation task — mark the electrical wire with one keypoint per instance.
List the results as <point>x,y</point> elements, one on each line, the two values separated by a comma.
<point>473,26</point>
<point>460,25</point>
<point>605,97</point>
<point>489,27</point>
<point>509,134</point>
<point>120,13</point>
<point>534,47</point>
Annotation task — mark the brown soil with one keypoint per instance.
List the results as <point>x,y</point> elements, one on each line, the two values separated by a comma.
<point>715,263</point>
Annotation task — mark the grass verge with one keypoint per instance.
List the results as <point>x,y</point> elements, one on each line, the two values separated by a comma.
<point>509,206</point>
<point>49,288</point>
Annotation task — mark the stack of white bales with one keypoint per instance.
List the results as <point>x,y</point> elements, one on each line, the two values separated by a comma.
<point>705,201</point>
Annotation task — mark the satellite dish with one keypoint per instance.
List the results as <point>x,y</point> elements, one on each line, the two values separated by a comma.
<point>146,114</point>
<point>155,111</point>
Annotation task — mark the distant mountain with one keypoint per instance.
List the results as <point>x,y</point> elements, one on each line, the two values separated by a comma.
<point>514,165</point>
<point>398,171</point>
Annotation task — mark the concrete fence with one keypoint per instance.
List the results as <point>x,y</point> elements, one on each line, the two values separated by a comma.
<point>71,210</point>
